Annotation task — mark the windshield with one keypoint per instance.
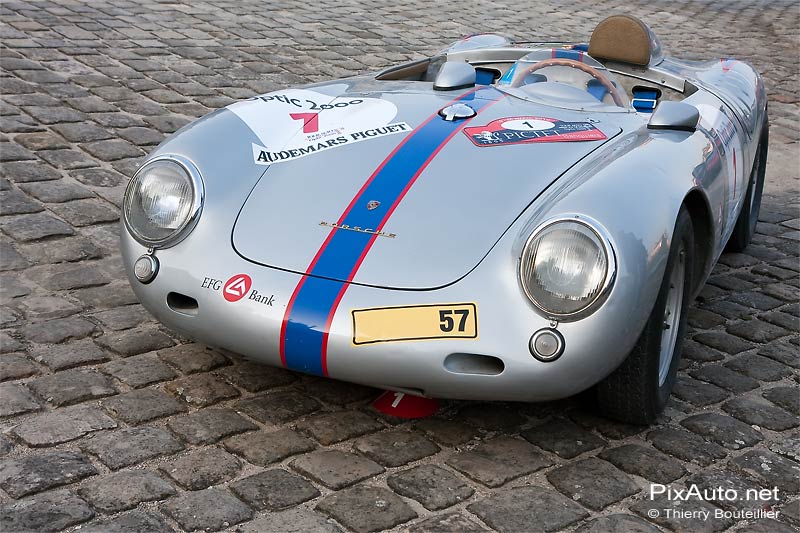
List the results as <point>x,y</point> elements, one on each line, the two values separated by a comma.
<point>564,78</point>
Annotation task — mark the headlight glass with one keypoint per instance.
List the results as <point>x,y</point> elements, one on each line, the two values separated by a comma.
<point>565,268</point>
<point>162,200</point>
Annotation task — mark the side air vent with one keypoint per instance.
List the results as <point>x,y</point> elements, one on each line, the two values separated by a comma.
<point>470,363</point>
<point>180,303</point>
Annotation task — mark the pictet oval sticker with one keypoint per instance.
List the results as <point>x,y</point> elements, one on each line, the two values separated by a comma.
<point>236,287</point>
<point>524,130</point>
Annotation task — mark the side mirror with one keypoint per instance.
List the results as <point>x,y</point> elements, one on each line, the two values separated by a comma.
<point>675,116</point>
<point>455,75</point>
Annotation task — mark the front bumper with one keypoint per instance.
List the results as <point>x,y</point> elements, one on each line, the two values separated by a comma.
<point>201,265</point>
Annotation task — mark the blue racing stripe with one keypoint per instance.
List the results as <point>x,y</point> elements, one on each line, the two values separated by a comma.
<point>576,55</point>
<point>314,301</point>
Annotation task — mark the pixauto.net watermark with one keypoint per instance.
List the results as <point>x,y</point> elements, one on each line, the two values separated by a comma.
<point>762,499</point>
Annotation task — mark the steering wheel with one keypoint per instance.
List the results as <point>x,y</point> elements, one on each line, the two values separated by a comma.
<point>593,72</point>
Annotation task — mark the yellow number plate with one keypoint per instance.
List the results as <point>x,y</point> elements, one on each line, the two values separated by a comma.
<point>418,322</point>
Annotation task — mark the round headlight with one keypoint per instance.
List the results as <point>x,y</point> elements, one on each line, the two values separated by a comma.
<point>163,200</point>
<point>567,268</point>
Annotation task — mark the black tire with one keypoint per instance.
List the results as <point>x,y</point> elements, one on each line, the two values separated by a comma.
<point>751,206</point>
<point>633,393</point>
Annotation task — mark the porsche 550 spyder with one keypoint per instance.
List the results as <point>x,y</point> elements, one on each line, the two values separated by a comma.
<point>504,220</point>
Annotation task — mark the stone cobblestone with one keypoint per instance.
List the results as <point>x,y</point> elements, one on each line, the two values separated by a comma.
<point>111,423</point>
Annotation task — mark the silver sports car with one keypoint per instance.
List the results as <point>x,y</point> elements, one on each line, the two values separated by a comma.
<point>504,220</point>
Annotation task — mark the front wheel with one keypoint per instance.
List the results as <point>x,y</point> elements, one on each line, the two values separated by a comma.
<point>638,390</point>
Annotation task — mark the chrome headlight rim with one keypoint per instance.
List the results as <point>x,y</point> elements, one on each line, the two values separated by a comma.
<point>198,198</point>
<point>608,281</point>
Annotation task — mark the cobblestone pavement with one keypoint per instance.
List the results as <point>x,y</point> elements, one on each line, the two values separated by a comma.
<point>109,422</point>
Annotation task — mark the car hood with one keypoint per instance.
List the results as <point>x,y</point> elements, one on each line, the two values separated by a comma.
<point>423,200</point>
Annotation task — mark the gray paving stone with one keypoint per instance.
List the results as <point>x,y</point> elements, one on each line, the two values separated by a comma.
<point>770,470</point>
<point>143,405</point>
<point>135,341</point>
<point>697,392</point>
<point>67,249</point>
<point>278,407</point>
<point>58,330</point>
<point>395,448</point>
<point>517,508</point>
<point>329,428</point>
<point>644,462</point>
<point>52,511</point>
<point>69,276</point>
<point>69,355</point>
<point>34,473</point>
<point>131,522</point>
<point>10,258</point>
<point>608,428</point>
<point>16,366</point>
<point>85,212</point>
<point>617,522</point>
<point>11,286</point>
<point>297,520</point>
<point>73,386</point>
<point>447,523</point>
<point>723,430</point>
<point>124,490</point>
<point>211,510</point>
<point>201,390</point>
<point>5,446</point>
<point>113,295</point>
<point>757,331</point>
<point>15,399</point>
<point>125,317</point>
<point>447,432</point>
<point>191,358</point>
<point>210,425</point>
<point>274,490</point>
<point>491,417</point>
<point>34,226</point>
<point>686,445</point>
<point>756,299</point>
<point>363,508</point>
<point>139,370</point>
<point>722,341</point>
<point>67,159</point>
<point>130,446</point>
<point>432,486</point>
<point>784,320</point>
<point>334,392</point>
<point>255,377</point>
<point>781,352</point>
<point>202,468</point>
<point>13,202</point>
<point>760,413</point>
<point>758,367</point>
<point>26,171</point>
<point>498,461</point>
<point>56,191</point>
<point>263,448</point>
<point>62,425</point>
<point>112,149</point>
<point>82,131</point>
<point>40,308</point>
<point>726,378</point>
<point>787,397</point>
<point>336,469</point>
<point>98,177</point>
<point>592,482</point>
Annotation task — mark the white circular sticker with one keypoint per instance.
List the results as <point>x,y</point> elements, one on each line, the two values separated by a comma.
<point>529,124</point>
